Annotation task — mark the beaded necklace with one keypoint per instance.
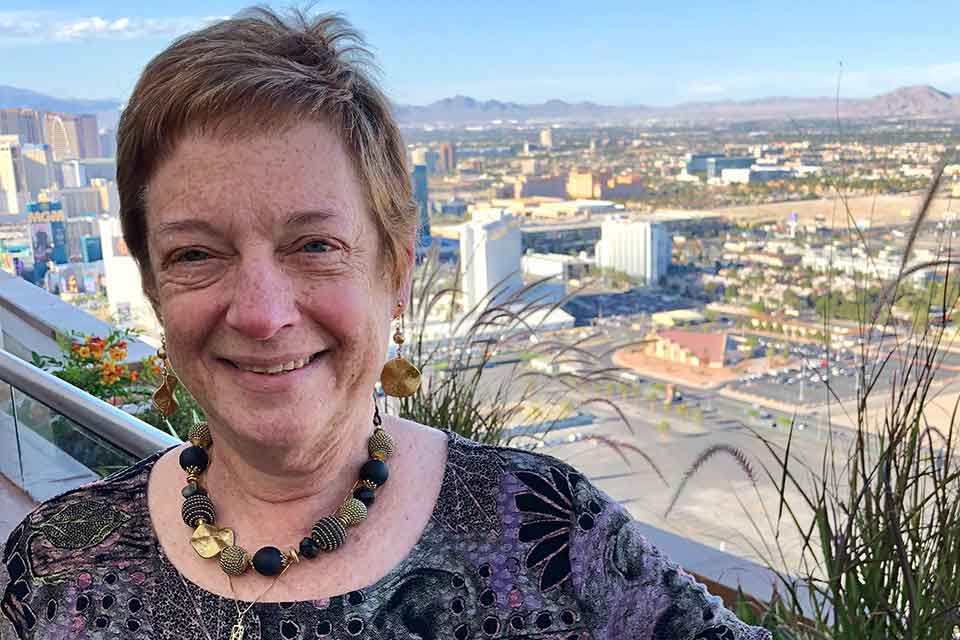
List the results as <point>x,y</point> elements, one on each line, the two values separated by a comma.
<point>328,533</point>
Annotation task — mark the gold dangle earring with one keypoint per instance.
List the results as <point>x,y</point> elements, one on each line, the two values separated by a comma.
<point>163,398</point>
<point>399,377</point>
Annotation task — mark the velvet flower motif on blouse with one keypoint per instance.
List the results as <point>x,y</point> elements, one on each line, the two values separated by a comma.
<point>548,519</point>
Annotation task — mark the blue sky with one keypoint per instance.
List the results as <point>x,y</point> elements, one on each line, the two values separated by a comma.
<point>613,52</point>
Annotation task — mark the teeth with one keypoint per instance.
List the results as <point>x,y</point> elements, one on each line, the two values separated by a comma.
<point>286,366</point>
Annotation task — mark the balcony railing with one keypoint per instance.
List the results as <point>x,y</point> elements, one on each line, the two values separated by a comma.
<point>54,437</point>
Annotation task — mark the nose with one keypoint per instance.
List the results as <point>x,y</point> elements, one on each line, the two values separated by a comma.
<point>264,300</point>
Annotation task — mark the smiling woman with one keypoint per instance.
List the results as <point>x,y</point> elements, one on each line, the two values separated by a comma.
<point>266,198</point>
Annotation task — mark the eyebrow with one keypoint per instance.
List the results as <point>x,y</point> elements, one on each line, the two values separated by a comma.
<point>310,216</point>
<point>180,226</point>
<point>296,219</point>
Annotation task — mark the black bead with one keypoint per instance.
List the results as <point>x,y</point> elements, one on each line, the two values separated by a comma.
<point>196,507</point>
<point>329,534</point>
<point>365,495</point>
<point>309,548</point>
<point>268,561</point>
<point>194,457</point>
<point>191,490</point>
<point>375,471</point>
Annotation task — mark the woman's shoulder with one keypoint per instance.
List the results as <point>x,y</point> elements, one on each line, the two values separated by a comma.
<point>574,539</point>
<point>83,517</point>
<point>61,543</point>
<point>485,482</point>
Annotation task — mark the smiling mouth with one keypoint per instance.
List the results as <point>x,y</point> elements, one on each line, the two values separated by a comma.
<point>284,367</point>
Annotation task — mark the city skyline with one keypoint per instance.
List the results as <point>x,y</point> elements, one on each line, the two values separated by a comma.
<point>652,55</point>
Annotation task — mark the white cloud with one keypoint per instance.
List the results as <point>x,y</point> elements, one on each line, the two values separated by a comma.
<point>22,27</point>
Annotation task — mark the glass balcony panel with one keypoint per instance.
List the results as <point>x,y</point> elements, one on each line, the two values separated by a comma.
<point>58,454</point>
<point>9,440</point>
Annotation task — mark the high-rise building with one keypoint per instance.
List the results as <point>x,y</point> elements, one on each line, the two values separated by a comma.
<point>586,184</point>
<point>77,201</point>
<point>697,162</point>
<point>490,257</point>
<point>124,289</point>
<point>109,196</point>
<point>108,143</point>
<point>421,195</point>
<point>41,172</point>
<point>427,157</point>
<point>448,158</point>
<point>13,179</point>
<point>81,172</point>
<point>25,123</point>
<point>638,248</point>
<point>48,234</point>
<point>78,229</point>
<point>715,166</point>
<point>544,186</point>
<point>72,174</point>
<point>71,135</point>
<point>546,138</point>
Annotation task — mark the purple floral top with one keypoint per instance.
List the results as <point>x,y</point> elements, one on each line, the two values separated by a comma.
<point>519,545</point>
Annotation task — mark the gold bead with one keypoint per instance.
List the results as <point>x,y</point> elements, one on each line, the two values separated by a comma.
<point>208,540</point>
<point>193,474</point>
<point>199,435</point>
<point>352,512</point>
<point>380,445</point>
<point>234,560</point>
<point>367,484</point>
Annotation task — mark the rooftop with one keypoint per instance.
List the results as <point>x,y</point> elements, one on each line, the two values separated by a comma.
<point>710,346</point>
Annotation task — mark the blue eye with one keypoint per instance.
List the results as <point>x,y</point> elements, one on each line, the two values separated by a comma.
<point>317,246</point>
<point>192,255</point>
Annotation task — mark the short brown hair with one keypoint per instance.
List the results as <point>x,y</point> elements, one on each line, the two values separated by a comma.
<point>256,68</point>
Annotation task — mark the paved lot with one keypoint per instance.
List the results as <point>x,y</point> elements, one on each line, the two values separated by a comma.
<point>588,307</point>
<point>14,505</point>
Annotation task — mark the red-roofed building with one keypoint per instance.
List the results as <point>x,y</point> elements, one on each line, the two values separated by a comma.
<point>692,348</point>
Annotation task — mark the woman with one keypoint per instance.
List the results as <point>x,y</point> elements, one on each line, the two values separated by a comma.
<point>265,196</point>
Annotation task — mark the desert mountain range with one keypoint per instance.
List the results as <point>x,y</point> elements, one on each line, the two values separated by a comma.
<point>905,102</point>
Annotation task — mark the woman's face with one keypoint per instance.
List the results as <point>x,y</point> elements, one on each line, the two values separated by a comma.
<point>265,258</point>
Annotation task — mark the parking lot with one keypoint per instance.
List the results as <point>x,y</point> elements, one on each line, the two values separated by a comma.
<point>587,307</point>
<point>813,375</point>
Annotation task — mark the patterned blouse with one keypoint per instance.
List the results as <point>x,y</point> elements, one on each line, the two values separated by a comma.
<point>519,545</point>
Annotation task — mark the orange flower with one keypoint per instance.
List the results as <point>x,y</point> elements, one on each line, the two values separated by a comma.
<point>134,376</point>
<point>118,353</point>
<point>83,352</point>
<point>74,347</point>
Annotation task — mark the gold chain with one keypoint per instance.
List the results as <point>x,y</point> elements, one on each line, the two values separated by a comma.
<point>237,631</point>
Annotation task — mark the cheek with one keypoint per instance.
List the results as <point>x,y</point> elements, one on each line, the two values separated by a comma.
<point>352,316</point>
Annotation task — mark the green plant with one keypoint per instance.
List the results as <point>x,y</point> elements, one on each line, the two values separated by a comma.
<point>94,364</point>
<point>879,519</point>
<point>490,391</point>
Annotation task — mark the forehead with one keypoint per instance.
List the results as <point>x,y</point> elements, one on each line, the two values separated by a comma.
<point>262,176</point>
